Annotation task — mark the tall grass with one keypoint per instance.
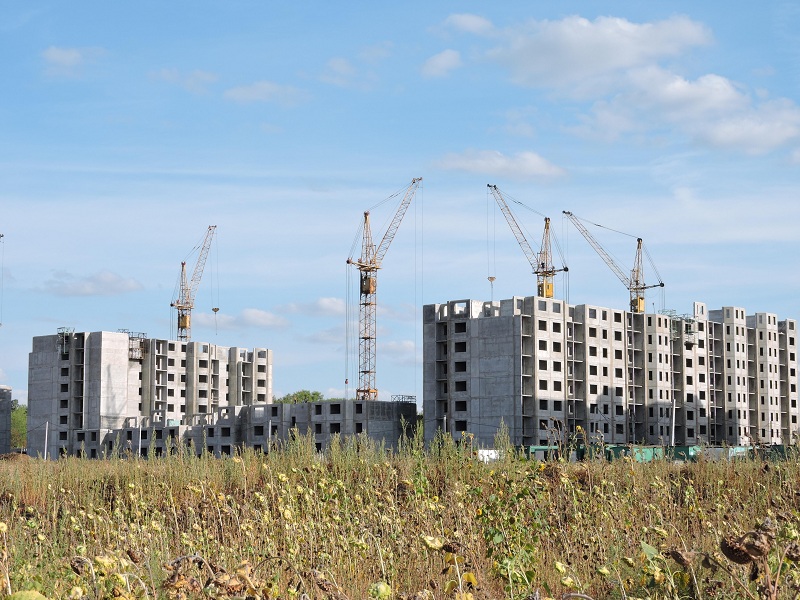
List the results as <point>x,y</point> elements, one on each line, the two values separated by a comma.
<point>363,520</point>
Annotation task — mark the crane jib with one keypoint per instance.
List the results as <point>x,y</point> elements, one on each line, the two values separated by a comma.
<point>188,289</point>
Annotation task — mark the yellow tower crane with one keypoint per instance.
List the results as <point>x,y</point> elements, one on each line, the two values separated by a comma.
<point>635,282</point>
<point>368,265</point>
<point>541,262</point>
<point>188,289</point>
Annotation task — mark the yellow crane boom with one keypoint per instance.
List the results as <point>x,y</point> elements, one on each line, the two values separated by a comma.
<point>188,288</point>
<point>633,282</point>
<point>541,262</point>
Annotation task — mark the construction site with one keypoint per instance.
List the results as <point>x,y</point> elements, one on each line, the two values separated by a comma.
<point>544,369</point>
<point>549,371</point>
<point>95,394</point>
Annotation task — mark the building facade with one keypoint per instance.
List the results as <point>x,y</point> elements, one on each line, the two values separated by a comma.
<point>379,420</point>
<point>94,394</point>
<point>546,368</point>
<point>85,388</point>
<point>5,419</point>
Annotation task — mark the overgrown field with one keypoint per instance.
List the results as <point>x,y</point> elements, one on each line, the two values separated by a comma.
<point>362,522</point>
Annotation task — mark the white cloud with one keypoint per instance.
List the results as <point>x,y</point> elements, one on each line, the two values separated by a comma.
<point>267,91</point>
<point>733,220</point>
<point>331,306</point>
<point>616,64</point>
<point>580,53</point>
<point>519,127</point>
<point>678,97</point>
<point>103,283</point>
<point>63,57</point>
<point>609,120</point>
<point>339,71</point>
<point>195,82</point>
<point>441,64</point>
<point>331,335</point>
<point>524,165</point>
<point>711,110</point>
<point>376,52</point>
<point>247,318</point>
<point>754,131</point>
<point>219,320</point>
<point>518,122</point>
<point>326,307</point>
<point>66,62</point>
<point>343,73</point>
<point>358,73</point>
<point>396,312</point>
<point>402,352</point>
<point>469,24</point>
<point>255,317</point>
<point>720,220</point>
<point>795,156</point>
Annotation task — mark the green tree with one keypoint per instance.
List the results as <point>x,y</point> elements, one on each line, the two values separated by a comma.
<point>19,425</point>
<point>301,396</point>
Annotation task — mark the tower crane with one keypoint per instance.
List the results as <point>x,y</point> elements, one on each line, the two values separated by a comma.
<point>635,281</point>
<point>541,262</point>
<point>368,265</point>
<point>188,289</point>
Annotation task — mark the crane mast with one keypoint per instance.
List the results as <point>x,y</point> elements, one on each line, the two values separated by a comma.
<point>541,262</point>
<point>637,285</point>
<point>544,276</point>
<point>633,282</point>
<point>188,288</point>
<point>368,265</point>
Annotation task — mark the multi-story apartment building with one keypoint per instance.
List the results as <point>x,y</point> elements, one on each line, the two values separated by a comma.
<point>545,368</point>
<point>86,388</point>
<point>98,393</point>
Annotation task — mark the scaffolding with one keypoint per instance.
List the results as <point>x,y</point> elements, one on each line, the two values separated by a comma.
<point>683,330</point>
<point>682,327</point>
<point>64,337</point>
<point>136,345</point>
<point>403,398</point>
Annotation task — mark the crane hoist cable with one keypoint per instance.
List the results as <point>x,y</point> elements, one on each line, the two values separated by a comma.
<point>634,281</point>
<point>541,262</point>
<point>554,238</point>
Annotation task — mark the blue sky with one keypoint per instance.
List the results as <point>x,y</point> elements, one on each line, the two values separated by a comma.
<point>128,128</point>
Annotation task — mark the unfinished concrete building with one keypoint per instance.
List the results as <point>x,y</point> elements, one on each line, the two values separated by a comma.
<point>95,394</point>
<point>261,426</point>
<point>86,390</point>
<point>382,421</point>
<point>5,419</point>
<point>545,369</point>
